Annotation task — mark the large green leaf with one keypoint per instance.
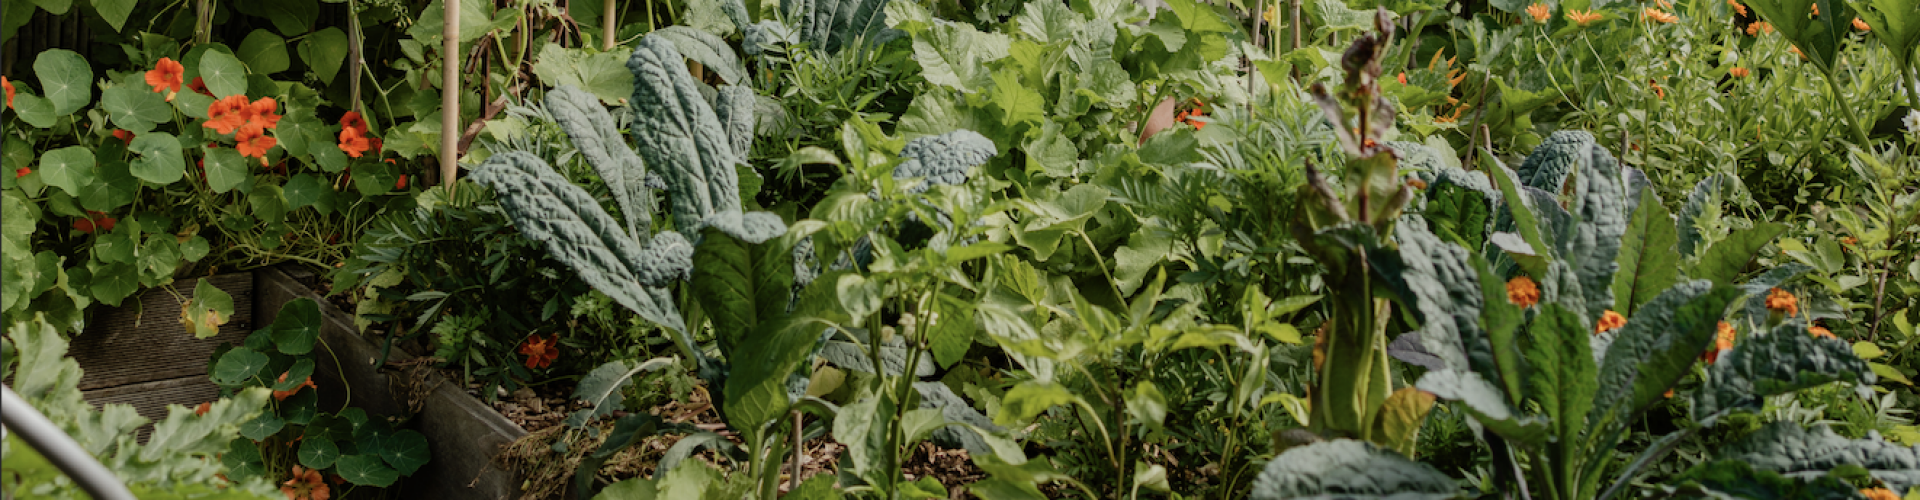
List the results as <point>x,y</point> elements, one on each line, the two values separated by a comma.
<point>1652,352</point>
<point>603,388</point>
<point>682,137</point>
<point>67,80</point>
<point>292,17</point>
<point>365,470</point>
<point>264,52</point>
<point>1649,261</point>
<point>708,50</point>
<point>832,25</point>
<point>324,51</point>
<point>239,365</point>
<point>603,74</point>
<point>68,168</point>
<point>1738,479</point>
<point>225,169</point>
<point>318,452</point>
<point>1438,280</point>
<point>405,450</point>
<point>1723,261</point>
<point>1895,22</point>
<point>136,109</point>
<point>1349,469</point>
<point>222,73</point>
<point>160,161</point>
<point>113,185</point>
<point>1818,37</point>
<point>956,55</point>
<point>1562,378</point>
<point>756,389</point>
<point>577,231</point>
<point>114,12</point>
<point>1784,359</point>
<point>739,285</point>
<point>209,308</point>
<point>594,134</point>
<point>1488,406</point>
<point>297,327</point>
<point>1808,454</point>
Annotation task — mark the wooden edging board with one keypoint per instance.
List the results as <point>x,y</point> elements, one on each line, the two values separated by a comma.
<point>463,434</point>
<point>138,353</point>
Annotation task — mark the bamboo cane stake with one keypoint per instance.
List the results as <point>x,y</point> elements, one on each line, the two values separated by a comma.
<point>450,94</point>
<point>606,27</point>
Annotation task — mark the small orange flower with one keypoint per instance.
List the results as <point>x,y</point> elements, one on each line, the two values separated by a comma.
<point>1737,72</point>
<point>1583,18</point>
<point>262,112</point>
<point>1540,12</point>
<point>402,185</point>
<point>1821,331</point>
<point>305,485</point>
<point>1722,341</point>
<point>1796,51</point>
<point>1402,78</point>
<point>1780,300</point>
<point>1669,394</point>
<point>226,114</point>
<point>1879,494</point>
<point>8,86</point>
<point>95,221</point>
<point>1861,25</point>
<point>123,135</point>
<point>541,352</point>
<point>283,395</point>
<point>1609,321</point>
<point>1759,27</point>
<point>353,120</point>
<point>1522,291</point>
<point>253,142</point>
<point>1659,16</point>
<point>1816,9</point>
<point>1658,91</point>
<point>1849,240</point>
<point>202,410</point>
<point>198,85</point>
<point>1742,9</point>
<point>352,143</point>
<point>1416,183</point>
<point>166,76</point>
<point>21,172</point>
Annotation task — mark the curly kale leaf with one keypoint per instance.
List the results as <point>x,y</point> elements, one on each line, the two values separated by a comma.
<point>594,133</point>
<point>1438,280</point>
<point>943,159</point>
<point>1808,454</point>
<point>1737,479</point>
<point>1782,360</point>
<point>1652,352</point>
<point>577,231</point>
<point>734,107</point>
<point>1346,468</point>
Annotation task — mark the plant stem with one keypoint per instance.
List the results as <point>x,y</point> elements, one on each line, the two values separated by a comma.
<point>607,25</point>
<point>450,93</point>
<point>1840,103</point>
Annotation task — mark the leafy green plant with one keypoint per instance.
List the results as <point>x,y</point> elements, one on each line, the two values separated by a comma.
<point>293,438</point>
<point>177,461</point>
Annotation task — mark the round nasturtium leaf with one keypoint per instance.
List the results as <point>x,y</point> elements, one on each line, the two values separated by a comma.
<point>264,52</point>
<point>238,366</point>
<point>34,110</point>
<point>297,326</point>
<point>318,453</point>
<point>365,470</point>
<point>194,248</point>
<point>113,186</point>
<point>263,426</point>
<point>304,189</point>
<point>160,161</point>
<point>113,282</point>
<point>222,73</point>
<point>67,168</point>
<point>405,450</point>
<point>226,169</point>
<point>66,79</point>
<point>135,109</point>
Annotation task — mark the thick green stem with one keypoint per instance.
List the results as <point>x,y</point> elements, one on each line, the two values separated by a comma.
<point>1840,103</point>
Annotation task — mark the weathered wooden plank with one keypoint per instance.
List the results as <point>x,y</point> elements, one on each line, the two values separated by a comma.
<point>150,399</point>
<point>142,341</point>
<point>463,434</point>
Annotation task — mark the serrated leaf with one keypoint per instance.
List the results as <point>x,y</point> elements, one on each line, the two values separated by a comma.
<point>1808,454</point>
<point>604,74</point>
<point>682,138</point>
<point>708,50</point>
<point>594,133</point>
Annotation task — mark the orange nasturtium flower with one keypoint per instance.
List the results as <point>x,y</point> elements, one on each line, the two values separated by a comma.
<point>401,184</point>
<point>1737,72</point>
<point>1609,321</point>
<point>1796,51</point>
<point>21,172</point>
<point>253,142</point>
<point>541,351</point>
<point>305,485</point>
<point>202,410</point>
<point>198,85</point>
<point>283,395</point>
<point>1540,12</point>
<point>1741,9</point>
<point>1780,300</point>
<point>1522,291</point>
<point>262,112</point>
<point>4,84</point>
<point>166,76</point>
<point>1659,16</point>
<point>1879,494</point>
<point>352,143</point>
<point>1821,331</point>
<point>1722,340</point>
<point>225,115</point>
<point>123,135</point>
<point>1583,18</point>
<point>1861,25</point>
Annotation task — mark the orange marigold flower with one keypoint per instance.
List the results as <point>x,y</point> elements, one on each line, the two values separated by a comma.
<point>1722,341</point>
<point>1657,89</point>
<point>1821,331</point>
<point>1781,300</point>
<point>167,76</point>
<point>123,135</point>
<point>352,143</point>
<point>305,485</point>
<point>1737,72</point>
<point>1540,12</point>
<point>1609,321</point>
<point>1658,16</point>
<point>202,410</point>
<point>1759,27</point>
<point>1583,18</point>
<point>1522,291</point>
<point>8,86</point>
<point>226,114</point>
<point>254,142</point>
<point>1850,240</point>
<point>1742,9</point>
<point>541,352</point>
<point>1879,494</point>
<point>282,395</point>
<point>1861,25</point>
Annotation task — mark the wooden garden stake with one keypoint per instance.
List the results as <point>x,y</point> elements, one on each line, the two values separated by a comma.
<point>798,453</point>
<point>450,94</point>
<point>606,27</point>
